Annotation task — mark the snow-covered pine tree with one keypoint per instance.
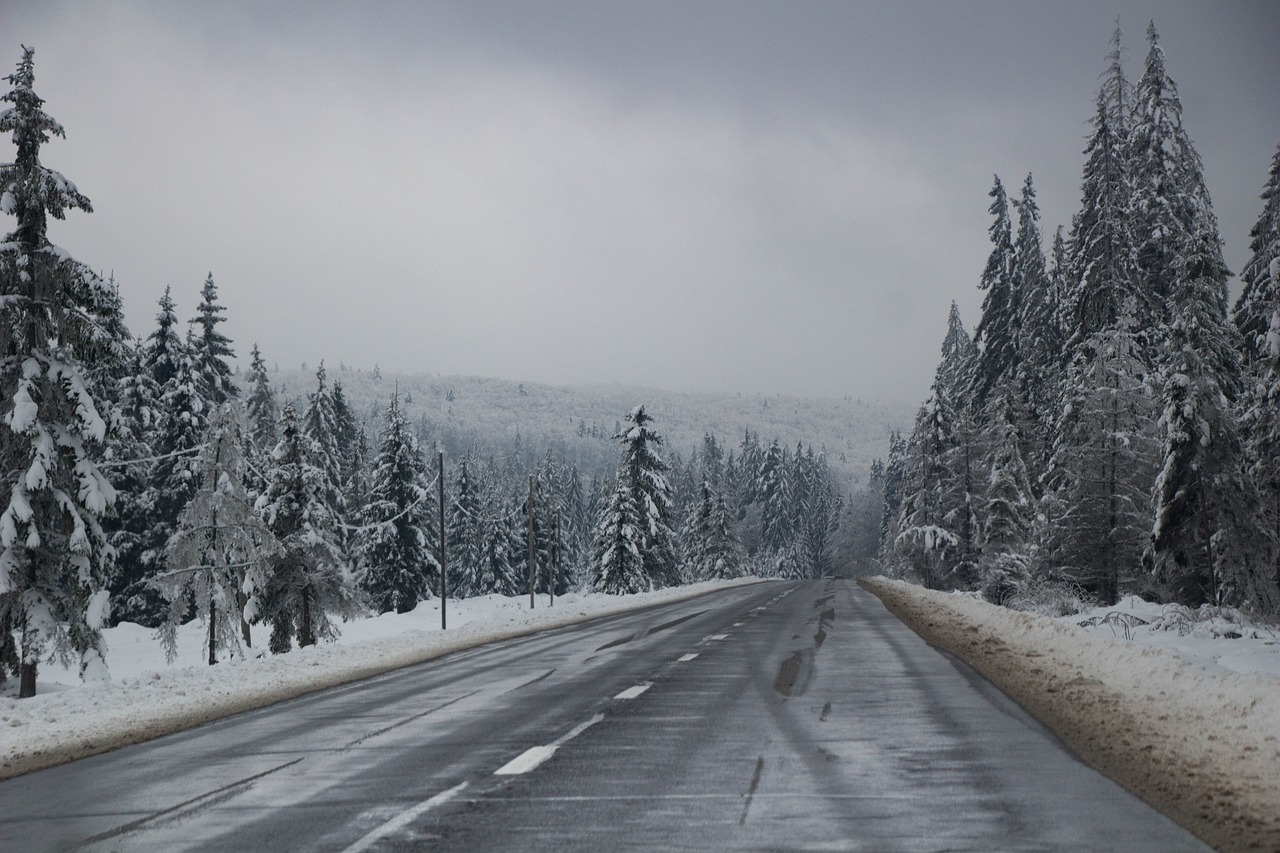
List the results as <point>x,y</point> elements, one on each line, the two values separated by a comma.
<point>929,537</point>
<point>1257,316</point>
<point>1103,462</point>
<point>619,564</point>
<point>1040,337</point>
<point>1009,502</point>
<point>1255,310</point>
<point>53,551</point>
<point>1103,273</point>
<point>307,581</point>
<point>642,498</point>
<point>217,556</point>
<point>998,332</point>
<point>464,533</point>
<point>211,348</point>
<point>894,471</point>
<point>1171,201</point>
<point>397,566</point>
<point>772,491</point>
<point>164,347</point>
<point>1207,542</point>
<point>260,404</point>
<point>722,555</point>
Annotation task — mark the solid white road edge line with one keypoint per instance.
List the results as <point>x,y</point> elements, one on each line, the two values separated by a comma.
<point>404,818</point>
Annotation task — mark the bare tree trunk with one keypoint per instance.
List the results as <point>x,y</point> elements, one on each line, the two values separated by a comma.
<point>305,635</point>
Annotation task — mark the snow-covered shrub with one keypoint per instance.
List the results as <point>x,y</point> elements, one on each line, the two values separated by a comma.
<point>1051,598</point>
<point>1005,576</point>
<point>1211,622</point>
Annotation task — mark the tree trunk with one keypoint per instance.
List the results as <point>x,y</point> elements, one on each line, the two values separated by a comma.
<point>27,681</point>
<point>305,635</point>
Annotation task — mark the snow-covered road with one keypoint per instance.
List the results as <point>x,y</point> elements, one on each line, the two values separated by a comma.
<point>775,716</point>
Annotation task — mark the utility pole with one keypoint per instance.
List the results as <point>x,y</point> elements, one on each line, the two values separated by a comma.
<point>532,563</point>
<point>551,555</point>
<point>555,561</point>
<point>444,556</point>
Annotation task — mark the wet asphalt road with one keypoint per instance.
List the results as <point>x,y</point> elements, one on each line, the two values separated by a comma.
<point>770,717</point>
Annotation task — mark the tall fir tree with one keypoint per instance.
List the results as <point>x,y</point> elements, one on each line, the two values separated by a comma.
<point>54,324</point>
<point>397,568</point>
<point>217,554</point>
<point>637,521</point>
<point>212,348</point>
<point>1207,542</point>
<point>164,346</point>
<point>1257,316</point>
<point>998,332</point>
<point>307,582</point>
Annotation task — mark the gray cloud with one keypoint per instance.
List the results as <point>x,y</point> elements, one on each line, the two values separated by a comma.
<point>737,196</point>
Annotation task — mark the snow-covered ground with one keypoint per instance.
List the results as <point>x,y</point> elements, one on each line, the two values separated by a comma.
<point>1223,643</point>
<point>148,697</point>
<point>1188,722</point>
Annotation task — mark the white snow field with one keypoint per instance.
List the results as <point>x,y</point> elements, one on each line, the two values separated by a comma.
<point>147,697</point>
<point>1189,723</point>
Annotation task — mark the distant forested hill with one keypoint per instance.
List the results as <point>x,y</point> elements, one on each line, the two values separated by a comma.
<point>500,417</point>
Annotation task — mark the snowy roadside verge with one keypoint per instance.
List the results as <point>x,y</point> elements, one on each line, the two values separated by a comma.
<point>140,704</point>
<point>1202,748</point>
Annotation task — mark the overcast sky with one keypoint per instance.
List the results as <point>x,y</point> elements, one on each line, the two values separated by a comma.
<point>729,196</point>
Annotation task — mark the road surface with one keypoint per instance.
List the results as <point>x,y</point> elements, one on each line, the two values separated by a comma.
<point>778,716</point>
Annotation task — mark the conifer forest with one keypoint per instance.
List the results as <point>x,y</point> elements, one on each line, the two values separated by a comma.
<point>1109,426</point>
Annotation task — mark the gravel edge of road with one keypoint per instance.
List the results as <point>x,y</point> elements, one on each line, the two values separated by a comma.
<point>229,705</point>
<point>1203,791</point>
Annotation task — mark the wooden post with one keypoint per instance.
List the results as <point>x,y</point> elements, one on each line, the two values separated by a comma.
<point>532,561</point>
<point>444,554</point>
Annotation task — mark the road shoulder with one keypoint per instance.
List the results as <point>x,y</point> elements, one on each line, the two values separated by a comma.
<point>1204,755</point>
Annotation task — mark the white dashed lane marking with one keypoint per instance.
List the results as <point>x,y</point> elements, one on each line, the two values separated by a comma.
<point>536,755</point>
<point>633,692</point>
<point>686,658</point>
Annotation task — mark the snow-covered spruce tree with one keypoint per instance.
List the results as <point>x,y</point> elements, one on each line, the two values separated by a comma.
<point>642,499</point>
<point>1207,542</point>
<point>998,334</point>
<point>894,471</point>
<point>1254,311</point>
<point>1257,316</point>
<point>721,554</point>
<point>1103,275</point>
<point>211,348</point>
<point>164,347</point>
<point>172,483</point>
<point>501,548</point>
<point>1103,462</point>
<point>217,556</point>
<point>397,567</point>
<point>932,537</point>
<point>53,551</point>
<point>773,490</point>
<point>1171,201</point>
<point>307,581</point>
<point>1008,500</point>
<point>260,405</point>
<point>619,565</point>
<point>1040,337</point>
<point>463,533</point>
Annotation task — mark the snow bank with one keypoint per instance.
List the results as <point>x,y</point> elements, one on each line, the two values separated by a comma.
<point>1197,742</point>
<point>148,698</point>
